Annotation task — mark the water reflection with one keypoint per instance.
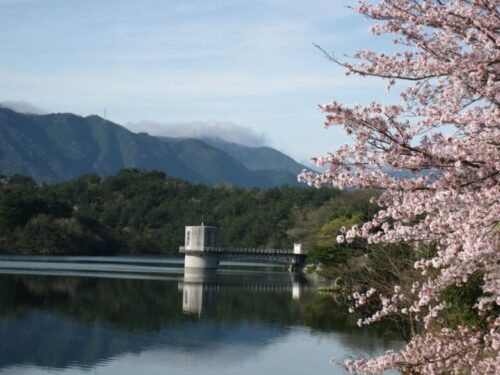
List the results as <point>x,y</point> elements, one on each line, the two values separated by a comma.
<point>200,287</point>
<point>217,322</point>
<point>197,288</point>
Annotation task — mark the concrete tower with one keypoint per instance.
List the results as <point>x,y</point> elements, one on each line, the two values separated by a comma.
<point>197,240</point>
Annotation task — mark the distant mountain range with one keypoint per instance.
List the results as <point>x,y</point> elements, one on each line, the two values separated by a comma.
<point>60,146</point>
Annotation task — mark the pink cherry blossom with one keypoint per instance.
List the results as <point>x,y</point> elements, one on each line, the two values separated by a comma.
<point>450,54</point>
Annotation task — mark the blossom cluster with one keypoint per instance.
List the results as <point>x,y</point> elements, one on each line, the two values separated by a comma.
<point>457,351</point>
<point>446,131</point>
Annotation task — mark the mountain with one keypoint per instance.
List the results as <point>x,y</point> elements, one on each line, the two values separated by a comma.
<point>60,146</point>
<point>257,158</point>
<point>214,166</point>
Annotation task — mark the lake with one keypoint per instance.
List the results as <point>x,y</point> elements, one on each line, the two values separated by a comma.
<point>145,315</point>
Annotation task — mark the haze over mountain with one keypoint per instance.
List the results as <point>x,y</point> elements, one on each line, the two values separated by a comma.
<point>61,146</point>
<point>226,130</point>
<point>22,106</point>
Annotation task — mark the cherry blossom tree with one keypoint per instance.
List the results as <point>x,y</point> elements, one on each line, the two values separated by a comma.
<point>446,131</point>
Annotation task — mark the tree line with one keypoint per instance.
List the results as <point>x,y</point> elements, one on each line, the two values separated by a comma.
<point>144,212</point>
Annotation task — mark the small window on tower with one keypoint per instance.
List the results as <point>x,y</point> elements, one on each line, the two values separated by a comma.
<point>211,239</point>
<point>188,237</point>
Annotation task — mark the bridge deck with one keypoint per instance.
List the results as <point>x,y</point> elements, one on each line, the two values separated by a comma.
<point>287,256</point>
<point>243,250</point>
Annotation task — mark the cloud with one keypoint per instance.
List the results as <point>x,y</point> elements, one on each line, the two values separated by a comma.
<point>22,107</point>
<point>202,129</point>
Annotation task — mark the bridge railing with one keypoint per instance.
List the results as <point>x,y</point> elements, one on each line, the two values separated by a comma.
<point>207,249</point>
<point>222,250</point>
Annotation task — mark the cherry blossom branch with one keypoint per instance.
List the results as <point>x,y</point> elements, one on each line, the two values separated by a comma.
<point>452,60</point>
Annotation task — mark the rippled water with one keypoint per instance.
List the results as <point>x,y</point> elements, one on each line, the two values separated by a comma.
<point>145,315</point>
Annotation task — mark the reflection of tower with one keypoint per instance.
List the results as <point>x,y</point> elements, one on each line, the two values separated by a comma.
<point>192,298</point>
<point>298,284</point>
<point>200,287</point>
<point>196,288</point>
<point>296,290</point>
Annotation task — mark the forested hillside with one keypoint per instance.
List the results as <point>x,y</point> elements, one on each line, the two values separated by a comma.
<point>145,212</point>
<point>61,146</point>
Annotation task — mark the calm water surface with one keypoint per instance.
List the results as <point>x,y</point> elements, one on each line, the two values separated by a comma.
<point>140,315</point>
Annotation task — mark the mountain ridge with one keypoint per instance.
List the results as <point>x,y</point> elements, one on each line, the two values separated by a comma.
<point>59,146</point>
<point>257,158</point>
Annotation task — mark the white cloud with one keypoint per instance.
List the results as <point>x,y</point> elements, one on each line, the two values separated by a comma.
<point>202,129</point>
<point>22,107</point>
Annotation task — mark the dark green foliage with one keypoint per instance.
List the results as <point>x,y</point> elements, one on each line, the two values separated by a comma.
<point>462,301</point>
<point>143,212</point>
<point>318,228</point>
<point>333,255</point>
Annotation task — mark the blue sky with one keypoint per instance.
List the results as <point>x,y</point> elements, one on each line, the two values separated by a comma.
<point>249,65</point>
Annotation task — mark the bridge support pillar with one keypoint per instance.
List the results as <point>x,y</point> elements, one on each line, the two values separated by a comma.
<point>201,261</point>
